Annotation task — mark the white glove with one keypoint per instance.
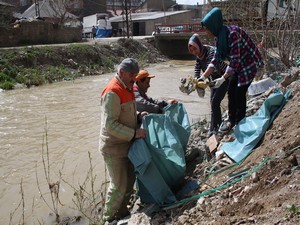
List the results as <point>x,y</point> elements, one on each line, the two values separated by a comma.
<point>219,82</point>
<point>202,78</point>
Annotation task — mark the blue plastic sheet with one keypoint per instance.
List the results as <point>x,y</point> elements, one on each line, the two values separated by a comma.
<point>152,187</point>
<point>102,33</point>
<point>251,129</point>
<point>159,159</point>
<point>180,120</point>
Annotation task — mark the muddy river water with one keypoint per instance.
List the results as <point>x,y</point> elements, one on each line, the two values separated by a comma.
<point>67,113</point>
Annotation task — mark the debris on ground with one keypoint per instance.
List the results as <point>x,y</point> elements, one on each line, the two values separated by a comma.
<point>262,189</point>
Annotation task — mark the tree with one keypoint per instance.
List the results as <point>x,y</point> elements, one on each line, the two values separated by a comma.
<point>273,23</point>
<point>63,9</point>
<point>6,14</point>
<point>282,30</point>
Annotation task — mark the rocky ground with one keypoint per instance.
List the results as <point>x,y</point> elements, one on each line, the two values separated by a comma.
<point>268,191</point>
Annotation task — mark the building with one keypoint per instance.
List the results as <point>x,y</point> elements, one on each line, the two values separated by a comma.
<point>139,5</point>
<point>234,10</point>
<point>80,8</point>
<point>144,23</point>
<point>53,13</point>
<point>156,5</point>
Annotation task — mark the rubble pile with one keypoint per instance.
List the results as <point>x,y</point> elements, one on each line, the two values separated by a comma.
<point>264,188</point>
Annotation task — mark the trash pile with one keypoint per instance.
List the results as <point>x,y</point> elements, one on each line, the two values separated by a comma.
<point>190,84</point>
<point>258,92</point>
<point>223,190</point>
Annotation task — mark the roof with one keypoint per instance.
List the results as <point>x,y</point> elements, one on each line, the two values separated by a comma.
<point>46,11</point>
<point>147,15</point>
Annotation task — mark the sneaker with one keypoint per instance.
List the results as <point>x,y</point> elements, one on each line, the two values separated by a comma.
<point>211,133</point>
<point>114,222</point>
<point>225,127</point>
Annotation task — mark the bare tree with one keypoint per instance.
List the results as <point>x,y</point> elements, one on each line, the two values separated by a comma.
<point>282,31</point>
<point>274,24</point>
<point>62,10</point>
<point>6,15</point>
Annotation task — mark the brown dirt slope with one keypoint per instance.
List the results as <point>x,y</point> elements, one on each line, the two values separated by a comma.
<point>269,195</point>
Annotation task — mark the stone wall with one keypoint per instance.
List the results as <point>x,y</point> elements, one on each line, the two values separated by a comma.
<point>38,32</point>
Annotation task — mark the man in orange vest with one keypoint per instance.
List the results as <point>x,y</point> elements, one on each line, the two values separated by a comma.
<point>118,130</point>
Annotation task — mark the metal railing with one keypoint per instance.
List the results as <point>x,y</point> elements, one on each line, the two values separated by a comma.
<point>177,28</point>
<point>248,24</point>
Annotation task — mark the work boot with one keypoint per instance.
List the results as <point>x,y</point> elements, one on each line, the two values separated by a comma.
<point>211,133</point>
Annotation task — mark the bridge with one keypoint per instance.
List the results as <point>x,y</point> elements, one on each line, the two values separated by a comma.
<point>174,45</point>
<point>172,40</point>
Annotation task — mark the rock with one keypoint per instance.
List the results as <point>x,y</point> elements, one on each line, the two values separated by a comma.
<point>255,177</point>
<point>293,160</point>
<point>285,172</point>
<point>139,218</point>
<point>182,219</point>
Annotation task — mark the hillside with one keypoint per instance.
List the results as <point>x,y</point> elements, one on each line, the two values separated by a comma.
<point>262,189</point>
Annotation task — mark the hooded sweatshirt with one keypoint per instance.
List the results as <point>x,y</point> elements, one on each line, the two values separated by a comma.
<point>235,44</point>
<point>207,53</point>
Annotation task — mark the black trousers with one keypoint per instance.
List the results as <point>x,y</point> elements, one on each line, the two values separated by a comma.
<point>216,98</point>
<point>237,100</point>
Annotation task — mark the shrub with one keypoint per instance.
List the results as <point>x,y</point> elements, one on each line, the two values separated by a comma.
<point>7,85</point>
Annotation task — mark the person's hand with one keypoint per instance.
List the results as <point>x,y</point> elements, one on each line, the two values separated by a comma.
<point>172,101</point>
<point>144,113</point>
<point>140,133</point>
<point>202,78</point>
<point>219,82</point>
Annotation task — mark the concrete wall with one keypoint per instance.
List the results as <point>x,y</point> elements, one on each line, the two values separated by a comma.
<point>38,32</point>
<point>159,5</point>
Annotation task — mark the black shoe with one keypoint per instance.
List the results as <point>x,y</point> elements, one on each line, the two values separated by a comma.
<point>225,128</point>
<point>211,133</point>
<point>114,222</point>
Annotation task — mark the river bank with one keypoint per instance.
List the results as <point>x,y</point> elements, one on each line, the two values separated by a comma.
<point>37,65</point>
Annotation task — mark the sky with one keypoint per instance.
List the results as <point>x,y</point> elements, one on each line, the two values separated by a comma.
<point>189,2</point>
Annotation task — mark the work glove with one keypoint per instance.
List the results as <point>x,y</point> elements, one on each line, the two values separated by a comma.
<point>196,80</point>
<point>201,78</point>
<point>219,82</point>
<point>171,101</point>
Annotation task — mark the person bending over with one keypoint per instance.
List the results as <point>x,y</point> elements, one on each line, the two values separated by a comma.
<point>203,56</point>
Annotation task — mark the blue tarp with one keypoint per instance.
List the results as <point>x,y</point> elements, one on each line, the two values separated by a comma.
<point>159,159</point>
<point>102,33</point>
<point>251,129</point>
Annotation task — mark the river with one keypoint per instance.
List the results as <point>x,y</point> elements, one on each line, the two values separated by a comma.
<point>67,113</point>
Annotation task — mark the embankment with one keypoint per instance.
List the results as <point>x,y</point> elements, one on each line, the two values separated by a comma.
<point>33,66</point>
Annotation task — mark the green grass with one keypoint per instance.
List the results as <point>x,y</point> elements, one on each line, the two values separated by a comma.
<point>34,66</point>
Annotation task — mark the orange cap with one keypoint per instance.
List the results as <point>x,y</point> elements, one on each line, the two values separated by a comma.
<point>142,74</point>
